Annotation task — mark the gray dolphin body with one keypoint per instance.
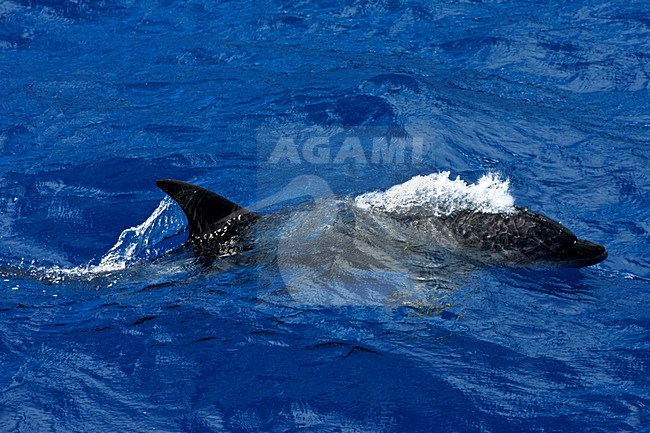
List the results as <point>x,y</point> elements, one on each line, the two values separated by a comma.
<point>218,226</point>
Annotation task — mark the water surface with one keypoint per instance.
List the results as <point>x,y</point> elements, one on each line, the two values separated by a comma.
<point>99,99</point>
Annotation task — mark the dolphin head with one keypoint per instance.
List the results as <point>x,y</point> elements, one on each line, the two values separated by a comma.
<point>579,254</point>
<point>564,249</point>
<point>550,242</point>
<point>527,238</point>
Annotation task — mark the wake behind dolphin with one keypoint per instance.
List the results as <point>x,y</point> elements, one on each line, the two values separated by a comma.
<point>478,220</point>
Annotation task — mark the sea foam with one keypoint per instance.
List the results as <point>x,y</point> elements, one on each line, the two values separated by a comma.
<point>438,195</point>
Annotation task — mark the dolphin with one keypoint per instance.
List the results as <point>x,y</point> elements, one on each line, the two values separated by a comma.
<point>217,227</point>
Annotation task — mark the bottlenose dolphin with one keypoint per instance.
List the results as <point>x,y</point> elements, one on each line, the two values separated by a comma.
<point>217,226</point>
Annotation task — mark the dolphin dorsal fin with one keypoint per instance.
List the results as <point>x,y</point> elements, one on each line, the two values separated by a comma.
<point>205,210</point>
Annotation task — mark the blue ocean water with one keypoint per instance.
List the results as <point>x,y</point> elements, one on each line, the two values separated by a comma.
<point>101,330</point>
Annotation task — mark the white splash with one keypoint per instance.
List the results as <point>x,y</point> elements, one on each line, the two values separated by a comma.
<point>133,244</point>
<point>137,240</point>
<point>438,195</point>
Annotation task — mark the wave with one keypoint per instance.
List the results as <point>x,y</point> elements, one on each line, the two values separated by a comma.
<point>135,244</point>
<point>438,195</point>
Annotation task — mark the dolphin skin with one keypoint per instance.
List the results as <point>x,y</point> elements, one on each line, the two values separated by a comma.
<point>525,237</point>
<point>218,226</point>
